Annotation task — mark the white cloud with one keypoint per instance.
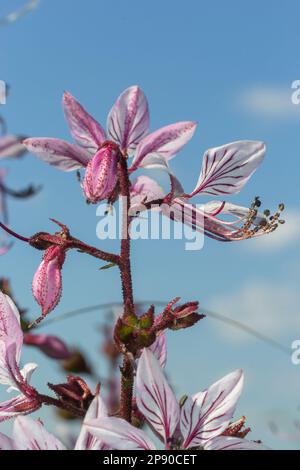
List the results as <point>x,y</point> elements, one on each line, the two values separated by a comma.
<point>269,102</point>
<point>273,309</point>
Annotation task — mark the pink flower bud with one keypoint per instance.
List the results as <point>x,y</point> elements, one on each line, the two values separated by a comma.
<point>52,346</point>
<point>101,173</point>
<point>46,284</point>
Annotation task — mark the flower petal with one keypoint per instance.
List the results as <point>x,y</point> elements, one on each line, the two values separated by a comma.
<point>57,152</point>
<point>32,435</point>
<point>226,169</point>
<point>11,340</point>
<point>128,120</point>
<point>87,441</point>
<point>11,146</point>
<point>10,329</point>
<point>164,143</point>
<point>6,443</point>
<point>159,349</point>
<point>19,405</point>
<point>238,213</point>
<point>154,396</point>
<point>119,435</point>
<point>85,130</point>
<point>144,189</point>
<point>232,443</point>
<point>207,414</point>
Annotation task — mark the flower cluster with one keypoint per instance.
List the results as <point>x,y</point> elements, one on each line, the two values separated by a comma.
<point>143,396</point>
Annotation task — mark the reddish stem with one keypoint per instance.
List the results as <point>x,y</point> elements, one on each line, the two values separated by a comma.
<point>127,378</point>
<point>14,234</point>
<point>50,401</point>
<point>73,243</point>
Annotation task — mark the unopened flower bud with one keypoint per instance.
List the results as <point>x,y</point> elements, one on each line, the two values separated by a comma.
<point>50,345</point>
<point>101,174</point>
<point>76,363</point>
<point>47,283</point>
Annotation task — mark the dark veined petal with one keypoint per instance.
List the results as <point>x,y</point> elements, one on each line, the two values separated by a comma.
<point>155,399</point>
<point>159,349</point>
<point>226,169</point>
<point>207,414</point>
<point>164,143</point>
<point>29,434</point>
<point>19,405</point>
<point>86,440</point>
<point>128,120</point>
<point>119,435</point>
<point>232,443</point>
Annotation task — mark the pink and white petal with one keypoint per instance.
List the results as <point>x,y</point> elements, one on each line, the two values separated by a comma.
<point>159,349</point>
<point>238,213</point>
<point>6,443</point>
<point>145,189</point>
<point>226,169</point>
<point>86,131</point>
<point>155,399</point>
<point>164,143</point>
<point>58,153</point>
<point>25,374</point>
<point>10,329</point>
<point>128,120</point>
<point>153,162</point>
<point>11,340</point>
<point>11,146</point>
<point>28,370</point>
<point>16,406</point>
<point>207,414</point>
<point>9,371</point>
<point>119,435</point>
<point>29,434</point>
<point>87,441</point>
<point>232,443</point>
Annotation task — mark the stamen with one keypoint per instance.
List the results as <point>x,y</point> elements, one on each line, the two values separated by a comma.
<point>252,228</point>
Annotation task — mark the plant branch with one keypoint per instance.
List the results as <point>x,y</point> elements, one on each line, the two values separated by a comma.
<point>50,401</point>
<point>127,378</point>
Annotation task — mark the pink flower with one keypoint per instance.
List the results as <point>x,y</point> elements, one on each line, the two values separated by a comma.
<point>127,129</point>
<point>225,170</point>
<point>11,341</point>
<point>50,345</point>
<point>198,423</point>
<point>29,434</point>
<point>47,282</point>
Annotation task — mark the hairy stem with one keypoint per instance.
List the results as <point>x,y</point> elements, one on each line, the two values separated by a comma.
<point>127,381</point>
<point>126,279</point>
<point>73,243</point>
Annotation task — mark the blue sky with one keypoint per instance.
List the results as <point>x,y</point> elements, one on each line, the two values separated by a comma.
<point>211,62</point>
